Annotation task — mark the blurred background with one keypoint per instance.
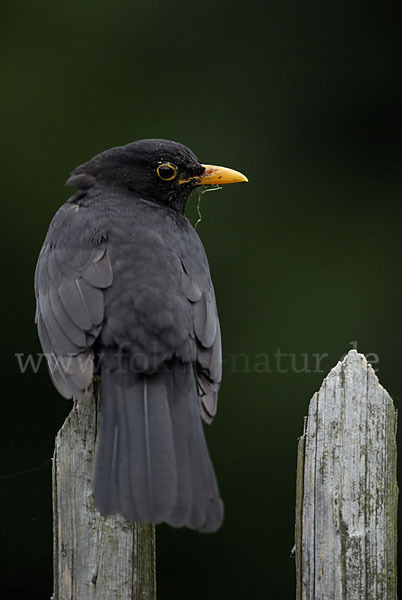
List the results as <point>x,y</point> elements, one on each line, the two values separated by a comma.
<point>303,97</point>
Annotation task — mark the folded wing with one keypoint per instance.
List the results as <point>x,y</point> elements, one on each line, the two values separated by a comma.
<point>69,288</point>
<point>200,293</point>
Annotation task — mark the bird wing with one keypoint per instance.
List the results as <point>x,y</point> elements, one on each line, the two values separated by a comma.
<point>72,272</point>
<point>200,292</point>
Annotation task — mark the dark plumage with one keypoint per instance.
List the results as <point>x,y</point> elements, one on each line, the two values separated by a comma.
<point>122,281</point>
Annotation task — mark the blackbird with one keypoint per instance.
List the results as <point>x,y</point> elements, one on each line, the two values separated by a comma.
<point>123,290</point>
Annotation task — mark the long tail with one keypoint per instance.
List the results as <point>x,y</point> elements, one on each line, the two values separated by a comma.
<point>152,463</point>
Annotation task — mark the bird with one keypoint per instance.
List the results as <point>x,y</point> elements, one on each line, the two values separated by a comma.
<point>124,292</point>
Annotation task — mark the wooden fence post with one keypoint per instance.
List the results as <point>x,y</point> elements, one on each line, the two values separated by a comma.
<point>95,557</point>
<point>347,493</point>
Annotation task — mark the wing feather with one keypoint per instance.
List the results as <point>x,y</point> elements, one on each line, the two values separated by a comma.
<point>76,335</point>
<point>59,342</point>
<point>99,273</point>
<point>205,320</point>
<point>69,284</point>
<point>190,287</point>
<point>199,291</point>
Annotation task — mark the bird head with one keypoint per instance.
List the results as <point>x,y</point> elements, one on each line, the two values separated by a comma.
<point>162,171</point>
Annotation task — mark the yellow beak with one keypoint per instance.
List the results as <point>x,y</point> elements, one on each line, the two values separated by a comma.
<point>213,175</point>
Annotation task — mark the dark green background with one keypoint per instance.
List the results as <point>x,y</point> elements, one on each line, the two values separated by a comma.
<point>303,97</point>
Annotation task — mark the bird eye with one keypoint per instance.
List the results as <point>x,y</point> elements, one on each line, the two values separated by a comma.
<point>167,171</point>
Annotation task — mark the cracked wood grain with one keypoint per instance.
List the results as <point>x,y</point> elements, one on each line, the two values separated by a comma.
<point>95,557</point>
<point>347,492</point>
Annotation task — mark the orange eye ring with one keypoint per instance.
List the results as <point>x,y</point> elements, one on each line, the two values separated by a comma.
<point>167,171</point>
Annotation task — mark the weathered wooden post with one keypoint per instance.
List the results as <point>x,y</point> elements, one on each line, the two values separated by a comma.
<point>95,558</point>
<point>346,489</point>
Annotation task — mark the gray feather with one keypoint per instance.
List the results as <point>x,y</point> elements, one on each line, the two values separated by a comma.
<point>190,288</point>
<point>93,300</point>
<point>211,358</point>
<point>59,342</point>
<point>99,273</point>
<point>75,304</point>
<point>79,369</point>
<point>162,470</point>
<point>49,258</point>
<point>205,320</point>
<point>105,481</point>
<point>72,332</point>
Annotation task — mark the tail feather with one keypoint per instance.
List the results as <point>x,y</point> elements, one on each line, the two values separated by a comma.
<point>199,505</point>
<point>180,514</point>
<point>105,486</point>
<point>152,462</point>
<point>150,476</point>
<point>207,510</point>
